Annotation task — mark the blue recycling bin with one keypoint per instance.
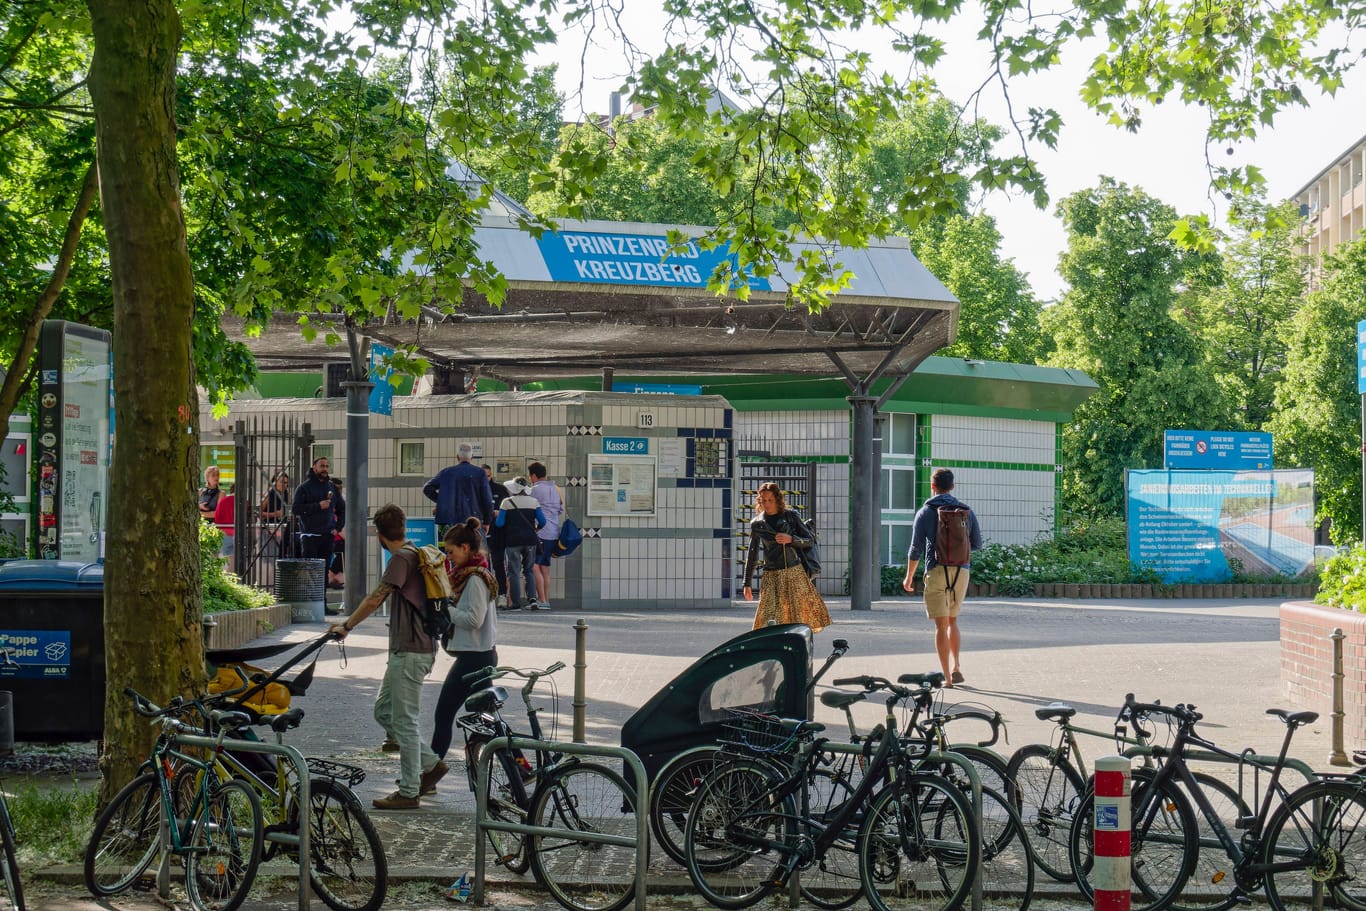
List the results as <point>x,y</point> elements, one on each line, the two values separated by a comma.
<point>52,648</point>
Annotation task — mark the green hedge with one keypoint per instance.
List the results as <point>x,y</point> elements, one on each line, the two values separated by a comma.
<point>1344,580</point>
<point>223,591</point>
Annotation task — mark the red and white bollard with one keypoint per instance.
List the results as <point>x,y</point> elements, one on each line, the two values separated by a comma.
<point>1110,830</point>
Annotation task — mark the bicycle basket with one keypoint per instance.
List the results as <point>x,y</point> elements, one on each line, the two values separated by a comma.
<point>755,732</point>
<point>347,774</point>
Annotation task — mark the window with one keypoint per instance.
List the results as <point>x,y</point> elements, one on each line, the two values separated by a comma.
<point>322,451</point>
<point>709,458</point>
<point>754,687</point>
<point>410,458</point>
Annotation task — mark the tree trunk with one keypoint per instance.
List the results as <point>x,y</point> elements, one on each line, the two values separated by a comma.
<point>152,587</point>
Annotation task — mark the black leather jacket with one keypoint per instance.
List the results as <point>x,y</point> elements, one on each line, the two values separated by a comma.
<point>776,556</point>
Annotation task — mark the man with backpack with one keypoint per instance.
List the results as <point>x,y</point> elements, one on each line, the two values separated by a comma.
<point>945,534</point>
<point>412,651</point>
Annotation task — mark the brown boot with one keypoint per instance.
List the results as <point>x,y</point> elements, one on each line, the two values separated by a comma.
<point>397,801</point>
<point>427,783</point>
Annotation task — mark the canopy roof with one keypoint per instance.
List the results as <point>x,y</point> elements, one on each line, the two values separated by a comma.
<point>595,295</point>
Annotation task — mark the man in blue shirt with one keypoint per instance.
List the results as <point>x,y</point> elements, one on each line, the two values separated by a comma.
<point>460,491</point>
<point>944,591</point>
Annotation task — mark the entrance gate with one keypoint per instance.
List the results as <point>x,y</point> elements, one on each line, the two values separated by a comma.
<point>266,446</point>
<point>797,480</point>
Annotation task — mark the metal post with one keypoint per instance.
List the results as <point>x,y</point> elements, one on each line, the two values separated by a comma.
<point>606,379</point>
<point>875,553</point>
<point>1339,755</point>
<point>860,503</point>
<point>357,492</point>
<point>580,678</point>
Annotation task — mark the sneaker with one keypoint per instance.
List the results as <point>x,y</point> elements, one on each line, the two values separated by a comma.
<point>396,801</point>
<point>532,604</point>
<point>427,783</point>
<point>540,605</point>
<point>507,606</point>
<point>502,602</point>
<point>390,745</point>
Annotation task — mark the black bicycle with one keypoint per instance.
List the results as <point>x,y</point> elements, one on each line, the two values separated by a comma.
<point>13,888</point>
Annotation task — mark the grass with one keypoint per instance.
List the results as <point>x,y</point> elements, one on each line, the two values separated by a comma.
<point>52,822</point>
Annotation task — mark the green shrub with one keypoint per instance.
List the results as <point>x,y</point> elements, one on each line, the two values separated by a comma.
<point>1343,580</point>
<point>223,591</point>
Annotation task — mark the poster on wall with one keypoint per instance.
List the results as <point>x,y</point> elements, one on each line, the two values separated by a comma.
<point>74,441</point>
<point>621,485</point>
<point>1202,526</point>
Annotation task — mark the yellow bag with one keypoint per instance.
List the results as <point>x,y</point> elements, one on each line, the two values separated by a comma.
<point>270,699</point>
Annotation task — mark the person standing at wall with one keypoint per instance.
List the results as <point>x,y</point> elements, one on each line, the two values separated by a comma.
<point>473,639</point>
<point>786,593</point>
<point>460,491</point>
<point>946,588</point>
<point>497,558</point>
<point>275,540</point>
<point>321,511</point>
<point>519,518</point>
<point>552,508</point>
<point>411,655</point>
<point>209,494</point>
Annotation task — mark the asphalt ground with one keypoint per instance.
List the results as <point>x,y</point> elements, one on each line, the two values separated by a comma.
<point>1018,655</point>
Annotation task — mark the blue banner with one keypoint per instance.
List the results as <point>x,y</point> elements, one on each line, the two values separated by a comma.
<point>626,445</point>
<point>630,259</point>
<point>1361,357</point>
<point>35,653</point>
<point>1226,450</point>
<point>382,395</point>
<point>658,388</point>
<point>1201,526</point>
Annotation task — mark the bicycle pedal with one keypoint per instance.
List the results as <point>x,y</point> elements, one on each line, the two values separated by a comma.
<point>1244,822</point>
<point>144,884</point>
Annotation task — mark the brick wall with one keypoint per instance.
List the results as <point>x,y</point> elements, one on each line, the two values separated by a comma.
<point>1307,662</point>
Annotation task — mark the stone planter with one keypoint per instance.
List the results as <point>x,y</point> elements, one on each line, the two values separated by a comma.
<point>235,628</point>
<point>1307,661</point>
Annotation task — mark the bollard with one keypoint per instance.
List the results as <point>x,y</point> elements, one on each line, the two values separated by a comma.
<point>580,678</point>
<point>6,723</point>
<point>1110,830</point>
<point>1339,755</point>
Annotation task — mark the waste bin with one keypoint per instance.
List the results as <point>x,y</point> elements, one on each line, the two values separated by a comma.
<point>52,648</point>
<point>302,584</point>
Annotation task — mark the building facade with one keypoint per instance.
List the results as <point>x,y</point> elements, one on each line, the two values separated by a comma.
<point>1333,206</point>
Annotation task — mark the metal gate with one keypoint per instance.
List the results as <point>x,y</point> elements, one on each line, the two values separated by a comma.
<point>266,445</point>
<point>797,480</point>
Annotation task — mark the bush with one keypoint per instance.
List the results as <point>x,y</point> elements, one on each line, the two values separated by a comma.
<point>1343,580</point>
<point>223,591</point>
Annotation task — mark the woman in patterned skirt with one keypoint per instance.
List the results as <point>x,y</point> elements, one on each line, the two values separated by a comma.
<point>786,594</point>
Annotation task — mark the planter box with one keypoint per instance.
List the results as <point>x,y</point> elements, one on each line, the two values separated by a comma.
<point>238,627</point>
<point>1307,662</point>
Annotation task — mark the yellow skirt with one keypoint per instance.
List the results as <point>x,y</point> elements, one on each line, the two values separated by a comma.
<point>788,596</point>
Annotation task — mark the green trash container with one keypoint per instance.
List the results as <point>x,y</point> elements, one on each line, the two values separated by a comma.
<point>52,648</point>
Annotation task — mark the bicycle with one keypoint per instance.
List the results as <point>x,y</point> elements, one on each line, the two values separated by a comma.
<point>749,830</point>
<point>568,794</point>
<point>13,887</point>
<point>218,834</point>
<point>1313,840</point>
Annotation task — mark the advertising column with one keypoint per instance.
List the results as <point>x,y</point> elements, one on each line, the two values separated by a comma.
<point>74,433</point>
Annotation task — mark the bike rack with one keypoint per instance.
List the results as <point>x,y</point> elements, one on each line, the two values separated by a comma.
<point>973,778</point>
<point>641,842</point>
<point>296,759</point>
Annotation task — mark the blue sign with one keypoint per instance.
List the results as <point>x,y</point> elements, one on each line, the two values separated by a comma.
<point>626,445</point>
<point>1195,526</point>
<point>1222,449</point>
<point>1107,817</point>
<point>382,395</point>
<point>631,259</point>
<point>658,388</point>
<point>419,532</point>
<point>35,653</point>
<point>1361,357</point>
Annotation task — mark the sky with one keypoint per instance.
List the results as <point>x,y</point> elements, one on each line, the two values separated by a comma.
<point>1166,158</point>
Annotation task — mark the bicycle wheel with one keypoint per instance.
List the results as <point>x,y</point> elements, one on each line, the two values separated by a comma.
<point>13,897</point>
<point>1046,791</point>
<point>734,824</point>
<point>508,802</point>
<point>832,881</point>
<point>1212,885</point>
<point>349,870</point>
<point>224,848</point>
<point>1163,845</point>
<point>1007,862</point>
<point>671,794</point>
<point>991,773</point>
<point>583,797</point>
<point>919,847</point>
<point>1317,841</point>
<point>992,768</point>
<point>126,838</point>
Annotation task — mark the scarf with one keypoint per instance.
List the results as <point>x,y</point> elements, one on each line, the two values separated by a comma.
<point>478,564</point>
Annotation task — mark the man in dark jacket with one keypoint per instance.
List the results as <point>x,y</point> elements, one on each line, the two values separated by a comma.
<point>944,591</point>
<point>519,517</point>
<point>320,510</point>
<point>495,538</point>
<point>460,491</point>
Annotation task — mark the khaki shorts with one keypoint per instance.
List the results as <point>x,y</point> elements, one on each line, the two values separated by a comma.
<point>939,600</point>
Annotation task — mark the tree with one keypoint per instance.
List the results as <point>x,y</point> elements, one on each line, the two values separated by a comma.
<point>805,96</point>
<point>1318,410</point>
<point>1115,323</point>
<point>1241,316</point>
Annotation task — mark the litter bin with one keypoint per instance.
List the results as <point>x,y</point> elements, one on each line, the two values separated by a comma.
<point>302,584</point>
<point>52,648</point>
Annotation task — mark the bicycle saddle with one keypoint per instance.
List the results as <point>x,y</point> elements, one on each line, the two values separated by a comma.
<point>486,700</point>
<point>1058,711</point>
<point>285,721</point>
<point>838,699</point>
<point>1294,719</point>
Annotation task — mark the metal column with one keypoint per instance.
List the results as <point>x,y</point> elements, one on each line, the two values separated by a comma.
<point>863,511</point>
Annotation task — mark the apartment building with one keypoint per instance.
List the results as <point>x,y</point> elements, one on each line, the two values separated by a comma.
<point>1333,206</point>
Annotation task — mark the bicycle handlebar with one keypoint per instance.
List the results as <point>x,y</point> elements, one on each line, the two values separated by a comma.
<point>1183,713</point>
<point>493,673</point>
<point>872,684</point>
<point>993,719</point>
